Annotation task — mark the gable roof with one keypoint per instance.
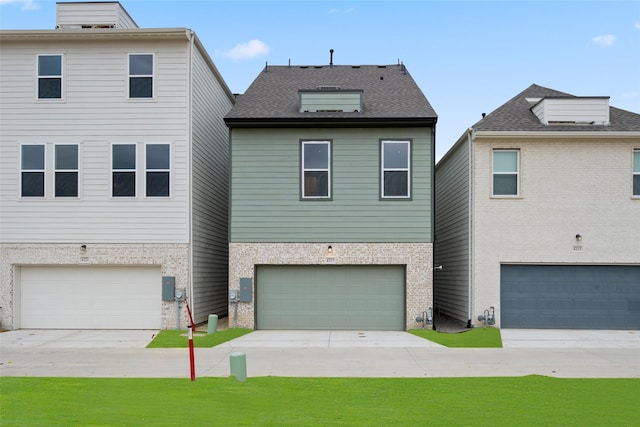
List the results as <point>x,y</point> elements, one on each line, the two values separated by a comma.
<point>516,115</point>
<point>390,97</point>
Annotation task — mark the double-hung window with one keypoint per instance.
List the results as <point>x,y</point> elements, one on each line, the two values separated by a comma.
<point>158,170</point>
<point>49,76</point>
<point>316,169</point>
<point>141,75</point>
<point>636,173</point>
<point>32,170</point>
<point>396,169</point>
<point>506,165</point>
<point>66,170</point>
<point>123,170</point>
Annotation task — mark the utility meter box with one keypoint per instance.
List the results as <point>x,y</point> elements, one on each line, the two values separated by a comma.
<point>245,289</point>
<point>168,288</point>
<point>181,294</point>
<point>233,295</point>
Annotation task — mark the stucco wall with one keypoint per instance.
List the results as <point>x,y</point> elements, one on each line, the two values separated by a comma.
<point>418,258</point>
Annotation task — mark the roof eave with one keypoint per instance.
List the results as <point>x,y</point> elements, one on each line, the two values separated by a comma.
<point>95,33</point>
<point>233,122</point>
<point>479,134</point>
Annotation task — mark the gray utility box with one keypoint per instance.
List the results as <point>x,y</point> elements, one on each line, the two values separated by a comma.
<point>245,289</point>
<point>168,288</point>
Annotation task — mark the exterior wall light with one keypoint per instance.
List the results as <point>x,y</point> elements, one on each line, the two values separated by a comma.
<point>329,251</point>
<point>578,237</point>
<point>83,248</point>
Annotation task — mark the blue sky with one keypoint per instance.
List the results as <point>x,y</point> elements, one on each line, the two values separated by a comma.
<point>468,57</point>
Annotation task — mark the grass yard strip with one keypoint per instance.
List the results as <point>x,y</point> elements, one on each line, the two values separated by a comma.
<point>278,401</point>
<point>180,338</point>
<point>477,337</point>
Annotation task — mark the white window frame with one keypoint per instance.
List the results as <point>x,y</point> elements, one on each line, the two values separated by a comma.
<point>634,172</point>
<point>517,173</point>
<point>134,170</point>
<point>43,171</point>
<point>169,170</point>
<point>56,170</point>
<point>50,76</point>
<point>327,169</point>
<point>152,75</point>
<point>383,169</point>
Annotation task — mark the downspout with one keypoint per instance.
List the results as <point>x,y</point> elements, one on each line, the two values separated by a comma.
<point>470,136</point>
<point>191,37</point>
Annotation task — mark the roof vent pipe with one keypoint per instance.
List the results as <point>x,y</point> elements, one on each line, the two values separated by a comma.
<point>331,57</point>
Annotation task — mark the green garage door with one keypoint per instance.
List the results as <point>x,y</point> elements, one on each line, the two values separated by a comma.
<point>330,297</point>
<point>570,296</point>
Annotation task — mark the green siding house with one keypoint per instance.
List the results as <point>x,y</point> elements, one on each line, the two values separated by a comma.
<point>332,199</point>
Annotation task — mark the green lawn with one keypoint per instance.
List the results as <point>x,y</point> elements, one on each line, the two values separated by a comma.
<point>276,401</point>
<point>477,337</point>
<point>180,339</point>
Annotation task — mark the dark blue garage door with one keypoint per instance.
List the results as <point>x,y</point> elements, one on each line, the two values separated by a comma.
<point>570,296</point>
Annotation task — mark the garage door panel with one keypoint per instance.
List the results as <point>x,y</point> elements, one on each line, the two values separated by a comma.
<point>90,297</point>
<point>570,296</point>
<point>330,297</point>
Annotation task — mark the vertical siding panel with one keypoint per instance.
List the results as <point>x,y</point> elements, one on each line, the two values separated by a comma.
<point>451,246</point>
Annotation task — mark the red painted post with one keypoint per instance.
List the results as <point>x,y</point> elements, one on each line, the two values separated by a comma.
<point>192,328</point>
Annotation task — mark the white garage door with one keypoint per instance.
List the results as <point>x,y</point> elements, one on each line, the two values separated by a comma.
<point>90,297</point>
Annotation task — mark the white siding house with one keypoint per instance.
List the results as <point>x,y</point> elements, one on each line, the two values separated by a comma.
<point>538,219</point>
<point>113,171</point>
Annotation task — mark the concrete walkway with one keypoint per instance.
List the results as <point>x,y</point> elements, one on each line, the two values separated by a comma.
<point>321,354</point>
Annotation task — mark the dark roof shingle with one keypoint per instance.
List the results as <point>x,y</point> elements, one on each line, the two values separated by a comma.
<point>516,115</point>
<point>389,92</point>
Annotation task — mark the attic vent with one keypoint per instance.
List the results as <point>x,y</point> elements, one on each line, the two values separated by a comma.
<point>330,99</point>
<point>573,111</point>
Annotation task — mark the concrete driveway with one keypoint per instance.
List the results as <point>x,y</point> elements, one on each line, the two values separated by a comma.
<point>579,354</point>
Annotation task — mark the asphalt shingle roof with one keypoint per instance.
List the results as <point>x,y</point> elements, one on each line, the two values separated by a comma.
<point>389,92</point>
<point>516,115</point>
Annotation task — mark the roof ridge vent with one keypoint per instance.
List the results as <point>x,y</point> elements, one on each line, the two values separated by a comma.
<point>328,87</point>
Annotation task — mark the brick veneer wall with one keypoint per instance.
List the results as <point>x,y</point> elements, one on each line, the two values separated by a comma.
<point>173,260</point>
<point>417,257</point>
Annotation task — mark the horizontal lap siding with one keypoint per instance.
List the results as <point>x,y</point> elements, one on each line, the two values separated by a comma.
<point>451,246</point>
<point>94,113</point>
<point>210,192</point>
<point>266,205</point>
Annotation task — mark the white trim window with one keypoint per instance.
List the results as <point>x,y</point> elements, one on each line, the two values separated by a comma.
<point>316,169</point>
<point>636,173</point>
<point>506,173</point>
<point>395,169</point>
<point>66,170</point>
<point>32,170</point>
<point>123,170</point>
<point>157,170</point>
<point>50,76</point>
<point>141,75</point>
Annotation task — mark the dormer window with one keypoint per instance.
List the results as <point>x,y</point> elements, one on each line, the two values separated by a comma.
<point>330,99</point>
<point>576,111</point>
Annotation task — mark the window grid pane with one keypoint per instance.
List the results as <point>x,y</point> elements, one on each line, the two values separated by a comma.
<point>66,170</point>
<point>49,76</point>
<point>316,169</point>
<point>505,172</point>
<point>636,173</point>
<point>396,156</point>
<point>32,171</point>
<point>141,76</point>
<point>123,175</point>
<point>158,170</point>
